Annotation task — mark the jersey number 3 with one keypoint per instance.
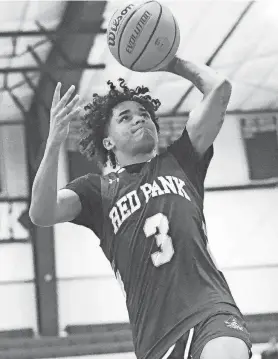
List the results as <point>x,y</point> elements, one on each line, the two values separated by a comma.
<point>158,226</point>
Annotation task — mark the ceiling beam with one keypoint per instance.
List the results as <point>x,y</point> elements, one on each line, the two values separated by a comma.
<point>64,67</point>
<point>215,53</point>
<point>238,112</point>
<point>52,32</point>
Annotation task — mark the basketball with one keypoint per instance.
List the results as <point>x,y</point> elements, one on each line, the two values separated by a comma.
<point>143,37</point>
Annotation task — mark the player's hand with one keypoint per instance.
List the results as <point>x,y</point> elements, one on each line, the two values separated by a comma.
<point>61,113</point>
<point>169,67</point>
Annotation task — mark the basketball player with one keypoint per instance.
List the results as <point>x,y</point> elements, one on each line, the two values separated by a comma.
<point>148,214</point>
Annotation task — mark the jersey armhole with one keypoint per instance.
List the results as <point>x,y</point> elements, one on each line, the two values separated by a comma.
<point>189,181</point>
<point>82,187</point>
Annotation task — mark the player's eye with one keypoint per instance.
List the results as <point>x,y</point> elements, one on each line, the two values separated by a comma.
<point>123,118</point>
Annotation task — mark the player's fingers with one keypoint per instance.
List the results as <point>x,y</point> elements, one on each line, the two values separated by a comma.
<point>73,114</point>
<point>56,95</point>
<point>65,99</point>
<point>69,107</point>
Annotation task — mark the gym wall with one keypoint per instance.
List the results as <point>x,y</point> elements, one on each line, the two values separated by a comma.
<point>241,227</point>
<point>17,289</point>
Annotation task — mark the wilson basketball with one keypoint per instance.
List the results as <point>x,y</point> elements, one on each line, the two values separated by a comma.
<point>143,37</point>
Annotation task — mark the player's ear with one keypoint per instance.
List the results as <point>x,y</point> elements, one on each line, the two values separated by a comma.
<point>108,143</point>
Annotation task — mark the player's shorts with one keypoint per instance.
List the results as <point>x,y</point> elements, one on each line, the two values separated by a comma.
<point>192,343</point>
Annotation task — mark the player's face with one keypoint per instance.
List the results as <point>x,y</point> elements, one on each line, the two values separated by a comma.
<point>131,129</point>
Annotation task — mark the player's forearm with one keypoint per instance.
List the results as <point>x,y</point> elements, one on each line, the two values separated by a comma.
<point>201,76</point>
<point>44,191</point>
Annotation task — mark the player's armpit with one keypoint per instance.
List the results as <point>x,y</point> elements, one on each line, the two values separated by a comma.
<point>68,206</point>
<point>206,119</point>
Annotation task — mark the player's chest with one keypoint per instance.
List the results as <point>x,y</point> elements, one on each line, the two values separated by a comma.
<point>142,195</point>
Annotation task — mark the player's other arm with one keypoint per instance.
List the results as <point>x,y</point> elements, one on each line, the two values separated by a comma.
<point>49,206</point>
<point>206,119</point>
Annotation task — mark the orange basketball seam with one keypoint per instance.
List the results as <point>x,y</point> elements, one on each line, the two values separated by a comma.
<point>147,43</point>
<point>123,29</point>
<point>175,23</point>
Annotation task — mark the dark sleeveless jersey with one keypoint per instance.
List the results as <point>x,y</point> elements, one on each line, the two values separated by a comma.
<point>153,234</point>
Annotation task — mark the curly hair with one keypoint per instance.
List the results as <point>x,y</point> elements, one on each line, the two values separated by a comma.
<point>97,117</point>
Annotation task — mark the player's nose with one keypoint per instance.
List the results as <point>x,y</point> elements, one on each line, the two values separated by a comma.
<point>138,120</point>
<point>137,123</point>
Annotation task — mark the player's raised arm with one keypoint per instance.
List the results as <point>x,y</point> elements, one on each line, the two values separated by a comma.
<point>47,206</point>
<point>206,119</point>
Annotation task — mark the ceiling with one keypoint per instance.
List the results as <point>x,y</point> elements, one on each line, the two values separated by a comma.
<point>237,38</point>
<point>23,16</point>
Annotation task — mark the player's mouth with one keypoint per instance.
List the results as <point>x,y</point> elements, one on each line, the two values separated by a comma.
<point>137,129</point>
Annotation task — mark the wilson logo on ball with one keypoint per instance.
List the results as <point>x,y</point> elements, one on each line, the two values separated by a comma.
<point>115,25</point>
<point>144,36</point>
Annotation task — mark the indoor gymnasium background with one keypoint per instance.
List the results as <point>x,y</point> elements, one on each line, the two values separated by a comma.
<point>58,294</point>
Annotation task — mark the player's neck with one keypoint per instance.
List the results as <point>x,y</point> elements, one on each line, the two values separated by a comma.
<point>125,160</point>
